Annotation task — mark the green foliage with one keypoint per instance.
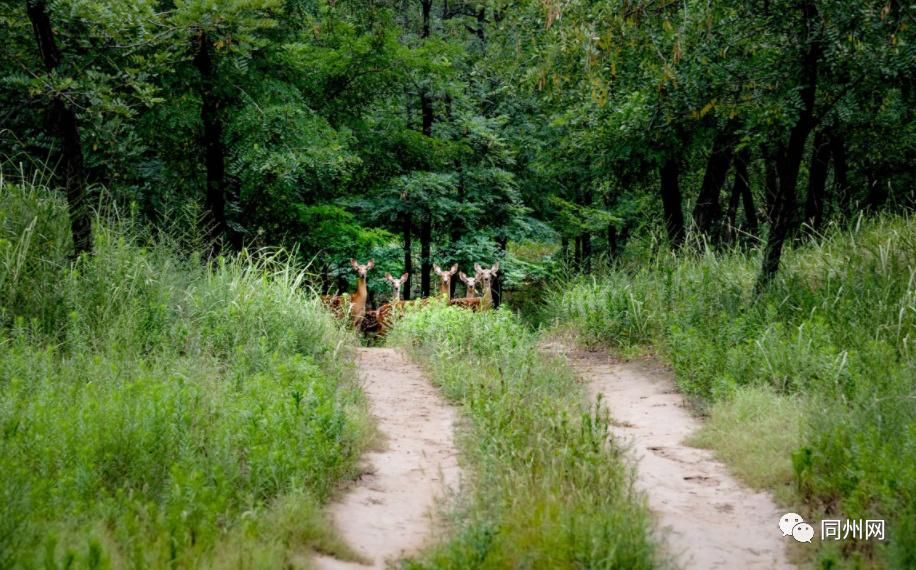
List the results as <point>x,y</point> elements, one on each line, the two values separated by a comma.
<point>837,328</point>
<point>155,412</point>
<point>547,489</point>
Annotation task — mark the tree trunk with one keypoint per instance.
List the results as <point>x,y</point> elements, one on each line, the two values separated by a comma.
<point>586,239</point>
<point>215,153</point>
<point>577,253</point>
<point>427,6</point>
<point>741,190</point>
<point>611,242</point>
<point>64,124</point>
<point>817,180</point>
<point>496,287</point>
<point>840,174</point>
<point>750,213</point>
<point>785,207</point>
<point>877,192</point>
<point>456,223</point>
<point>426,112</point>
<point>731,215</point>
<point>707,213</point>
<point>771,182</point>
<point>426,262</point>
<point>408,250</point>
<point>671,201</point>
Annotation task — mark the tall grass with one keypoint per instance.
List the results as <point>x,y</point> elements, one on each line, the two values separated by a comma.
<point>836,329</point>
<point>547,488</point>
<point>158,412</point>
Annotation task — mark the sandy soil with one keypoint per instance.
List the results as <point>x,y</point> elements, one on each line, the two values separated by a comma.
<point>705,518</point>
<point>391,511</point>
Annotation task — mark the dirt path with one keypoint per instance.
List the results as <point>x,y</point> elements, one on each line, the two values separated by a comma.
<point>390,512</point>
<point>705,517</point>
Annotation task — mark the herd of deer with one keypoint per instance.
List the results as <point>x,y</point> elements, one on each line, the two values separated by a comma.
<point>379,320</point>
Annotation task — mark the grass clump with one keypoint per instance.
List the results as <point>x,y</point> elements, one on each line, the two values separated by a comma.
<point>830,343</point>
<point>756,431</point>
<point>548,489</point>
<point>158,412</point>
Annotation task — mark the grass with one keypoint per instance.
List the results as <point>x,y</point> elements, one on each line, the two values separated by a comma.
<point>756,431</point>
<point>829,348</point>
<point>546,489</point>
<point>159,412</point>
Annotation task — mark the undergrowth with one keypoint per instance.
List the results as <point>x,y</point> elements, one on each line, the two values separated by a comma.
<point>159,412</point>
<point>546,489</point>
<point>833,337</point>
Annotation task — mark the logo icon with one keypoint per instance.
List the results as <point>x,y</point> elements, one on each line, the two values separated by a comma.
<point>793,524</point>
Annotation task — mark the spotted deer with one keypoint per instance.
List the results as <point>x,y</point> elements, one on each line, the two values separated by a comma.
<point>470,300</point>
<point>384,313</point>
<point>357,300</point>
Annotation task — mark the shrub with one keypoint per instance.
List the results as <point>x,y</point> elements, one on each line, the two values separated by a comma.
<point>155,411</point>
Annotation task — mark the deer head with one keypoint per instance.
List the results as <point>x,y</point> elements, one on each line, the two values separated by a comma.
<point>396,285</point>
<point>471,283</point>
<point>362,270</point>
<point>486,275</point>
<point>446,276</point>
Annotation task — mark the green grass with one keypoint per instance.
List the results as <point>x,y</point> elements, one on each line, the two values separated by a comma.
<point>756,431</point>
<point>157,412</point>
<point>829,347</point>
<point>545,489</point>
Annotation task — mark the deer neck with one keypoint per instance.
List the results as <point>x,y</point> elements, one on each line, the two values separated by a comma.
<point>358,299</point>
<point>487,300</point>
<point>444,289</point>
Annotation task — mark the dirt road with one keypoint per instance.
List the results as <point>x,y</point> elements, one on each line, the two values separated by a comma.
<point>391,511</point>
<point>705,518</point>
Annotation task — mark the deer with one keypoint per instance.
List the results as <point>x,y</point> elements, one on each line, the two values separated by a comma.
<point>445,280</point>
<point>470,300</point>
<point>485,276</point>
<point>383,313</point>
<point>357,300</point>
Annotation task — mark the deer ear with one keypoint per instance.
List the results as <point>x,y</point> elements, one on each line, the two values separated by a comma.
<point>463,277</point>
<point>454,269</point>
<point>437,269</point>
<point>404,277</point>
<point>371,264</point>
<point>353,263</point>
<point>388,277</point>
<point>477,267</point>
<point>495,267</point>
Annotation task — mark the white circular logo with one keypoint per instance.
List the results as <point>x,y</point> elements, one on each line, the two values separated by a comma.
<point>793,524</point>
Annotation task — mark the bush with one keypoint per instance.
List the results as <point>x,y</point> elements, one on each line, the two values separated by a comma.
<point>549,491</point>
<point>835,328</point>
<point>157,412</point>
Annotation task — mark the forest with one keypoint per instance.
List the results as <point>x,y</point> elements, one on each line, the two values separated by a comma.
<point>722,189</point>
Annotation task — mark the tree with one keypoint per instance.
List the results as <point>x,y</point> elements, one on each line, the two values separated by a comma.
<point>63,122</point>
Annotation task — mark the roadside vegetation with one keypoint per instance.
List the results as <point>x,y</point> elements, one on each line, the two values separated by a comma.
<point>546,489</point>
<point>157,412</point>
<point>810,385</point>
